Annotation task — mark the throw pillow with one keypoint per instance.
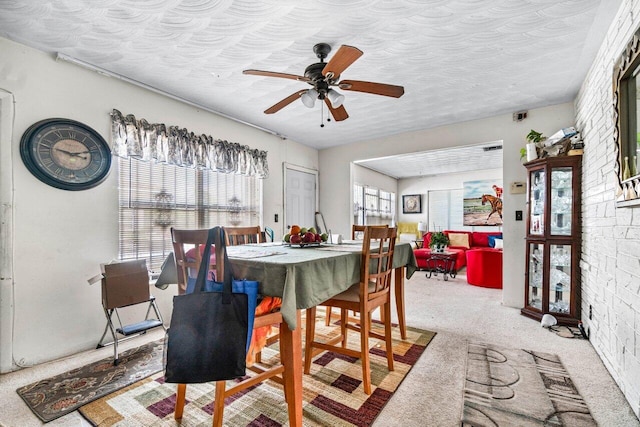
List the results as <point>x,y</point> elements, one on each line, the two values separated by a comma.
<point>492,241</point>
<point>498,244</point>
<point>480,238</point>
<point>459,239</point>
<point>426,240</point>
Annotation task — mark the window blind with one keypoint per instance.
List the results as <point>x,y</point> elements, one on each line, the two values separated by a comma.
<point>445,210</point>
<point>153,197</point>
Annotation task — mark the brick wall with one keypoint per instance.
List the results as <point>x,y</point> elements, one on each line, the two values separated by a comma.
<point>610,236</point>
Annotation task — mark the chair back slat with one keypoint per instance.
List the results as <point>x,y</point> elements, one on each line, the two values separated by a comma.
<point>357,231</point>
<point>377,260</point>
<point>243,235</point>
<point>183,241</point>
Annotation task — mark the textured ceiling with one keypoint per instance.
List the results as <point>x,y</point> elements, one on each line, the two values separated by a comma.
<point>458,60</point>
<point>435,162</point>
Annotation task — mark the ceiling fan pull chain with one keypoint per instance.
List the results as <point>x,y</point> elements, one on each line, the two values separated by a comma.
<point>321,115</point>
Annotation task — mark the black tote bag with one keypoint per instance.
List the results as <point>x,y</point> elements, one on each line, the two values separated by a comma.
<point>207,337</point>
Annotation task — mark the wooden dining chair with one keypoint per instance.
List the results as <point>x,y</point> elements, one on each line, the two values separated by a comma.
<point>240,236</point>
<point>188,246</point>
<point>371,292</point>
<point>243,235</point>
<point>357,233</point>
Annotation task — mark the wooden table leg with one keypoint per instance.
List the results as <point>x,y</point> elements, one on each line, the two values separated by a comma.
<point>291,354</point>
<point>399,289</point>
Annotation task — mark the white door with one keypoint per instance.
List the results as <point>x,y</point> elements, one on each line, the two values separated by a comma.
<point>300,196</point>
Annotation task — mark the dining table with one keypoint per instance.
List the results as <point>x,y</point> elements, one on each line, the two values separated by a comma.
<point>305,276</point>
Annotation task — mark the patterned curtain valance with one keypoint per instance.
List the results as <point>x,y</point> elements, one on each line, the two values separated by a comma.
<point>155,141</point>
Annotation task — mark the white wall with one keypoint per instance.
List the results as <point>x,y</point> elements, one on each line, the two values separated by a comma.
<point>335,194</point>
<point>369,177</point>
<point>61,237</point>
<point>454,181</point>
<point>610,236</point>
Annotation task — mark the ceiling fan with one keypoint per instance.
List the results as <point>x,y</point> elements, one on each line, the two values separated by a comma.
<point>323,76</point>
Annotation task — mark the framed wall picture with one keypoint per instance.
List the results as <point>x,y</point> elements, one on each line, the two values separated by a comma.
<point>411,203</point>
<point>483,203</point>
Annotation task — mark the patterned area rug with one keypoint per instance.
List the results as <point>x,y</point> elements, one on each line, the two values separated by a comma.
<point>333,394</point>
<point>54,397</point>
<point>507,387</point>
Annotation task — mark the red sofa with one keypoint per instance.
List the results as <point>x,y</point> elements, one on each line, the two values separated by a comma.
<point>459,241</point>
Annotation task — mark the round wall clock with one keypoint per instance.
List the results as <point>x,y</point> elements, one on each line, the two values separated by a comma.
<point>65,154</point>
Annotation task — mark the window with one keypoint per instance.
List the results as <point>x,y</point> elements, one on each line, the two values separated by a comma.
<point>626,114</point>
<point>154,197</point>
<point>370,203</point>
<point>387,201</point>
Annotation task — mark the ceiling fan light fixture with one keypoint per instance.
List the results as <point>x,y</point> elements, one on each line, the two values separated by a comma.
<point>335,97</point>
<point>309,98</point>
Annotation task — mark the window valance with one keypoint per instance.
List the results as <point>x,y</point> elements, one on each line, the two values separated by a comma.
<point>173,145</point>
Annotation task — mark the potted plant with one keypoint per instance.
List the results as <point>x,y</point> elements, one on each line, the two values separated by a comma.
<point>438,241</point>
<point>534,141</point>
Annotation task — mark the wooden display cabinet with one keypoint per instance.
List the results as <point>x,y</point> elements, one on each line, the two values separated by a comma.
<point>552,275</point>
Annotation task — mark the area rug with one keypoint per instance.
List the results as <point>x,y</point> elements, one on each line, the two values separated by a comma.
<point>56,396</point>
<point>509,387</point>
<point>333,394</point>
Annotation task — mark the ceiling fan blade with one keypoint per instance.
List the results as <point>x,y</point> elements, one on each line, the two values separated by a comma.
<point>371,87</point>
<point>280,105</point>
<point>339,114</point>
<point>274,74</point>
<point>344,57</point>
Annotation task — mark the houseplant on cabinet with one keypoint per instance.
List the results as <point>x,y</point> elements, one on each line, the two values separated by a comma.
<point>438,241</point>
<point>534,144</point>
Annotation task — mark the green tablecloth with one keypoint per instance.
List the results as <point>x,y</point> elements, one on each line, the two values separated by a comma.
<point>305,277</point>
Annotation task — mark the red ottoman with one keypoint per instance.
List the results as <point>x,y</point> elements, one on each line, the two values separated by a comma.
<point>484,267</point>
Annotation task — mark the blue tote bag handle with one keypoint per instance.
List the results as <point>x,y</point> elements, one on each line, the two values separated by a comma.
<point>224,270</point>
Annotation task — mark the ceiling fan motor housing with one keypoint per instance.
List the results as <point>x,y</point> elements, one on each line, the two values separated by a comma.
<point>314,73</point>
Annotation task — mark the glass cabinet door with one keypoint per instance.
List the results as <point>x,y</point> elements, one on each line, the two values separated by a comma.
<point>537,194</point>
<point>560,278</point>
<point>536,263</point>
<point>561,200</point>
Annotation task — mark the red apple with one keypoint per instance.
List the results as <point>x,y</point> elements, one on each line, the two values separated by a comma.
<point>309,237</point>
<point>295,239</point>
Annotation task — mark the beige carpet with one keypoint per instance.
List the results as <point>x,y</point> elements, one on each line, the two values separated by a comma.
<point>332,393</point>
<point>511,387</point>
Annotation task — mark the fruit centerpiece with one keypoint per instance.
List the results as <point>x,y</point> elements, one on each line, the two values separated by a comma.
<point>302,236</point>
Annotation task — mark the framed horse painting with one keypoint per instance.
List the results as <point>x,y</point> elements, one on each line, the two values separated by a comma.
<point>483,203</point>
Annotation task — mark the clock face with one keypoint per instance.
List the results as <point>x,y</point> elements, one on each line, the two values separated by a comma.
<point>65,154</point>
